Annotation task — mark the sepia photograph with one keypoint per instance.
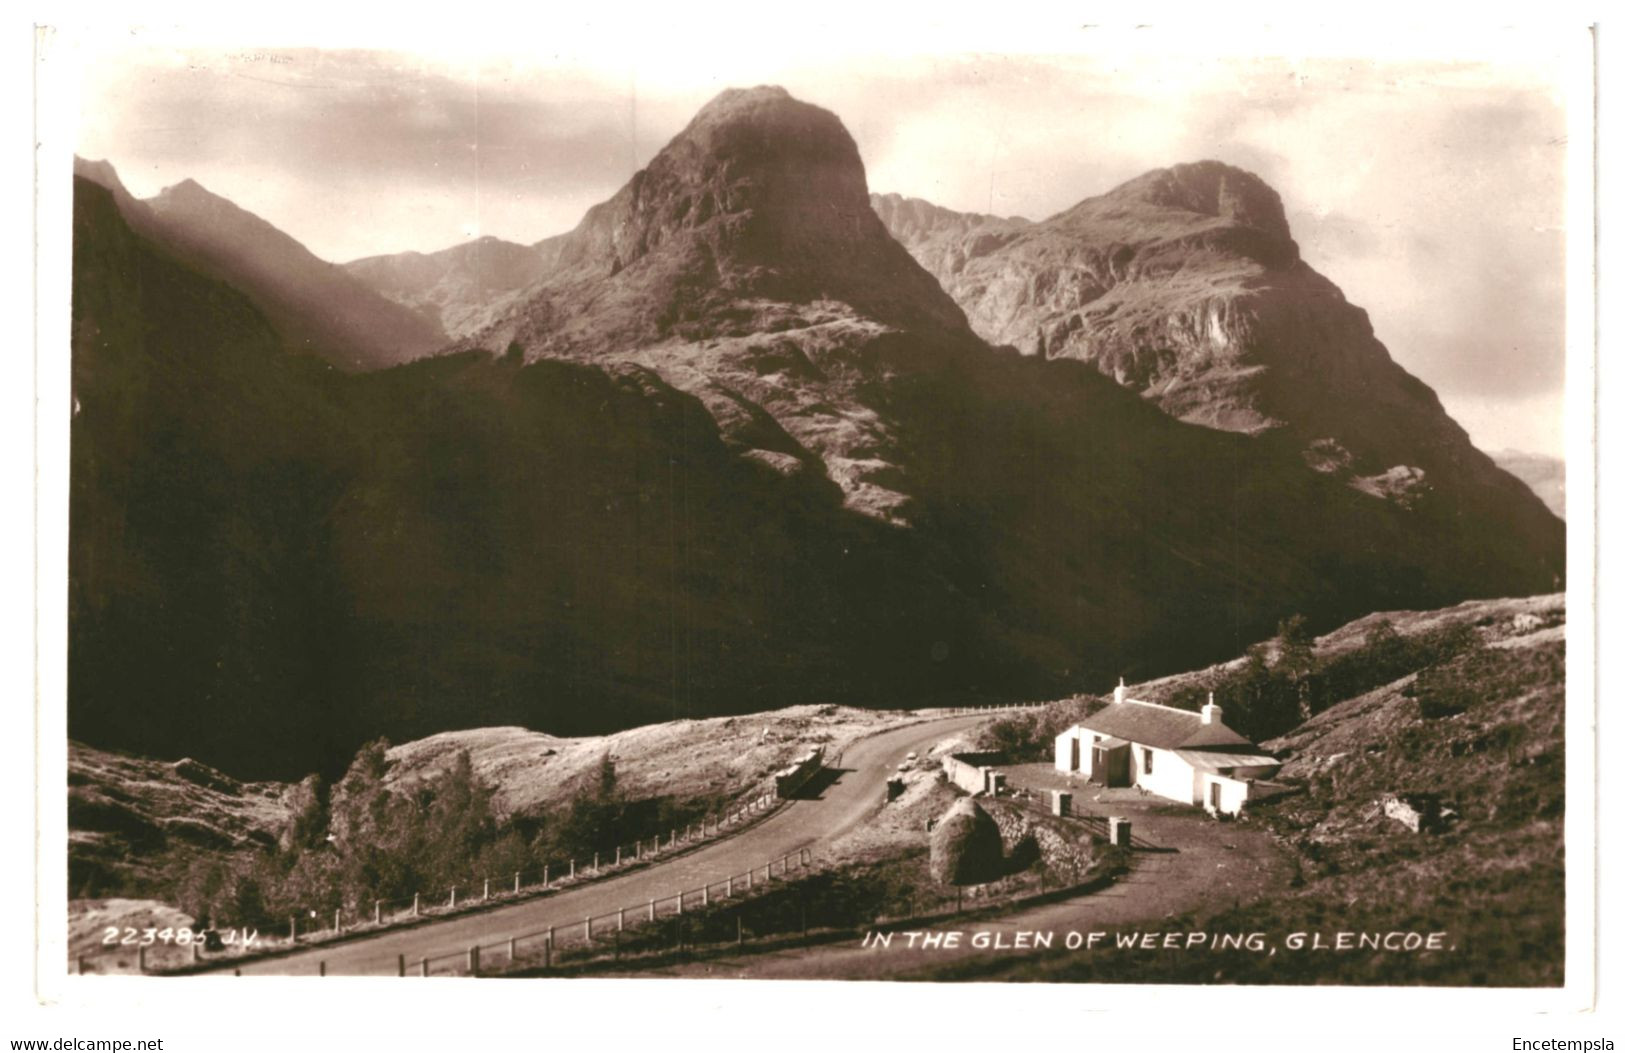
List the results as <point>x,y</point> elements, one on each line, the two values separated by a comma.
<point>1090,515</point>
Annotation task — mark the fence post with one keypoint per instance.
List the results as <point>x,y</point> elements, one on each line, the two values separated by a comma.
<point>516,882</point>
<point>572,870</point>
<point>487,888</point>
<point>336,921</point>
<point>513,949</point>
<point>141,959</point>
<point>589,928</point>
<point>705,896</point>
<point>544,875</point>
<point>673,839</point>
<point>547,953</point>
<point>637,849</point>
<point>617,855</point>
<point>321,967</point>
<point>474,960</point>
<point>377,912</point>
<point>620,919</point>
<point>679,901</point>
<point>651,910</point>
<point>400,964</point>
<point>293,928</point>
<point>423,966</point>
<point>750,877</point>
<point>595,862</point>
<point>414,904</point>
<point>550,935</point>
<point>730,888</point>
<point>454,895</point>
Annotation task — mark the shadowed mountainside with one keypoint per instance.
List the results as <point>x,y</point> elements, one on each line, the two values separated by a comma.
<point>736,450</point>
<point>1544,475</point>
<point>315,307</point>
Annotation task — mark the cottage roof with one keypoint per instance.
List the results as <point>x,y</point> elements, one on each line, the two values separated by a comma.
<point>1219,761</point>
<point>1161,726</point>
<point>1207,736</point>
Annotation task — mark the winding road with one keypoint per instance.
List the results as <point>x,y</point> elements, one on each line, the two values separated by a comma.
<point>843,805</point>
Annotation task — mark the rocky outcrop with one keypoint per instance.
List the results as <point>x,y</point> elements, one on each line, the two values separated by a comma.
<point>127,814</point>
<point>1418,813</point>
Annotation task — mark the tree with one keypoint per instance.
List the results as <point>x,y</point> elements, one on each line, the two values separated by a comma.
<point>1384,644</point>
<point>1296,662</point>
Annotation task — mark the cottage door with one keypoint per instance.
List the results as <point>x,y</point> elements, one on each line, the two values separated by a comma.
<point>1215,796</point>
<point>1077,754</point>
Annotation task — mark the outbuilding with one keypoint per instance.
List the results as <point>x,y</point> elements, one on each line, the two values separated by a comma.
<point>1188,757</point>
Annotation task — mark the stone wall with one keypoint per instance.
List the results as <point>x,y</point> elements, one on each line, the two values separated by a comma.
<point>1063,844</point>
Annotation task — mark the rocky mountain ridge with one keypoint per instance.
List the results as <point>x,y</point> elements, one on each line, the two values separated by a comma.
<point>1185,286</point>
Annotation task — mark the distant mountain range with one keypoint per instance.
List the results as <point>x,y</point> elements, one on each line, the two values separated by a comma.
<point>727,446</point>
<point>457,290</point>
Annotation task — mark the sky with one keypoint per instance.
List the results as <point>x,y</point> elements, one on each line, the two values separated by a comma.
<point>1430,186</point>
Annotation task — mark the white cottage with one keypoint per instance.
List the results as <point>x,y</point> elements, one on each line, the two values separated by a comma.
<point>1174,753</point>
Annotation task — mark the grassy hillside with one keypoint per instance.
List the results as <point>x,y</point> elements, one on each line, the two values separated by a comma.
<point>162,830</point>
<point>1471,751</point>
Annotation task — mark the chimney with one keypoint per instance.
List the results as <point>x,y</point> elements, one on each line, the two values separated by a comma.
<point>1120,693</point>
<point>1212,714</point>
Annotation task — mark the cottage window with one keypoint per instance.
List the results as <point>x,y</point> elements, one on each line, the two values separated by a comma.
<point>1145,763</point>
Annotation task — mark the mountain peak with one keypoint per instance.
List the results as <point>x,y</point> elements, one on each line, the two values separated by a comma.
<point>734,99</point>
<point>777,158</point>
<point>1206,188</point>
<point>188,189</point>
<point>101,173</point>
<point>761,198</point>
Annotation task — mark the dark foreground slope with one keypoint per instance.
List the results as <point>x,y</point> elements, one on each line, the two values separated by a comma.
<point>737,451</point>
<point>271,563</point>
